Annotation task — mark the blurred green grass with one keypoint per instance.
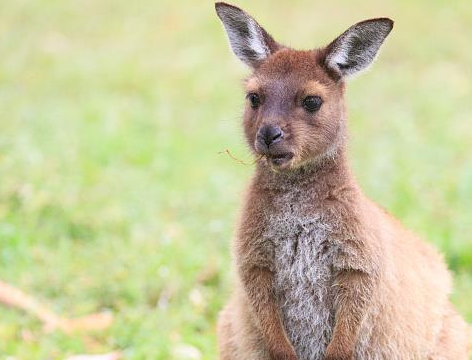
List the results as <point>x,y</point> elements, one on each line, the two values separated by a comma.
<point>112,192</point>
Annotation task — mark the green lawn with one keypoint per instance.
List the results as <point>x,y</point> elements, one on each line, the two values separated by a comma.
<point>112,192</point>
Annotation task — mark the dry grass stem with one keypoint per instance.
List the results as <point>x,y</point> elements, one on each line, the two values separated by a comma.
<point>226,151</point>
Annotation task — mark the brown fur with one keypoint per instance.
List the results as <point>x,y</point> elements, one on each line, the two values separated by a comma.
<point>389,290</point>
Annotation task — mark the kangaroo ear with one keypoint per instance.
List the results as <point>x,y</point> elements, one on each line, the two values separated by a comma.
<point>357,47</point>
<point>249,41</point>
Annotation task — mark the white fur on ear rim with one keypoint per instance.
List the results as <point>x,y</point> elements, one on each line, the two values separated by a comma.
<point>356,48</point>
<point>249,41</point>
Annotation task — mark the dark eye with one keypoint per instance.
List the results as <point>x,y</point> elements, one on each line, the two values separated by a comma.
<point>254,99</point>
<point>312,103</point>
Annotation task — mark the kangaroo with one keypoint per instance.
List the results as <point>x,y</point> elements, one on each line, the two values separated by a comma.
<point>322,271</point>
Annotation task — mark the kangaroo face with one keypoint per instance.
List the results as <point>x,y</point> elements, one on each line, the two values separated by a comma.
<point>295,109</point>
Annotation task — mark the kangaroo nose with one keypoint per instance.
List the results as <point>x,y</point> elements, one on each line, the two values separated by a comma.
<point>270,134</point>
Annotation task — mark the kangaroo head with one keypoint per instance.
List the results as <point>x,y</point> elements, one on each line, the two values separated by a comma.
<point>295,108</point>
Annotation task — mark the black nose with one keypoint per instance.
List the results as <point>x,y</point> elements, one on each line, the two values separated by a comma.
<point>270,134</point>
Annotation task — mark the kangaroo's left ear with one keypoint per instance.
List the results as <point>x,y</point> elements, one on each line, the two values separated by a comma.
<point>249,41</point>
<point>356,48</point>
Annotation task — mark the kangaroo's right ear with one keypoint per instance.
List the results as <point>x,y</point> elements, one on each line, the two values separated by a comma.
<point>249,41</point>
<point>355,49</point>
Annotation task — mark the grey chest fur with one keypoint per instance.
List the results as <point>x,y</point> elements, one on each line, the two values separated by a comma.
<point>303,277</point>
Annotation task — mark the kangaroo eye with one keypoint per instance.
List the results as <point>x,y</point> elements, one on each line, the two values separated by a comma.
<point>312,103</point>
<point>254,99</point>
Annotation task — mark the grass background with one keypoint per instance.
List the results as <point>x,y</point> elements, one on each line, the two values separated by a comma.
<point>112,192</point>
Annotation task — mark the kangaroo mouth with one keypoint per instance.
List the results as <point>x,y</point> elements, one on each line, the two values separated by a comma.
<point>279,159</point>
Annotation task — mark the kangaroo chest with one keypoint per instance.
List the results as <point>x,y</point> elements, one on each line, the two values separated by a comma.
<point>303,276</point>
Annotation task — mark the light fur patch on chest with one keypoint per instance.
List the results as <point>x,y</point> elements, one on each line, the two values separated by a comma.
<point>303,278</point>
